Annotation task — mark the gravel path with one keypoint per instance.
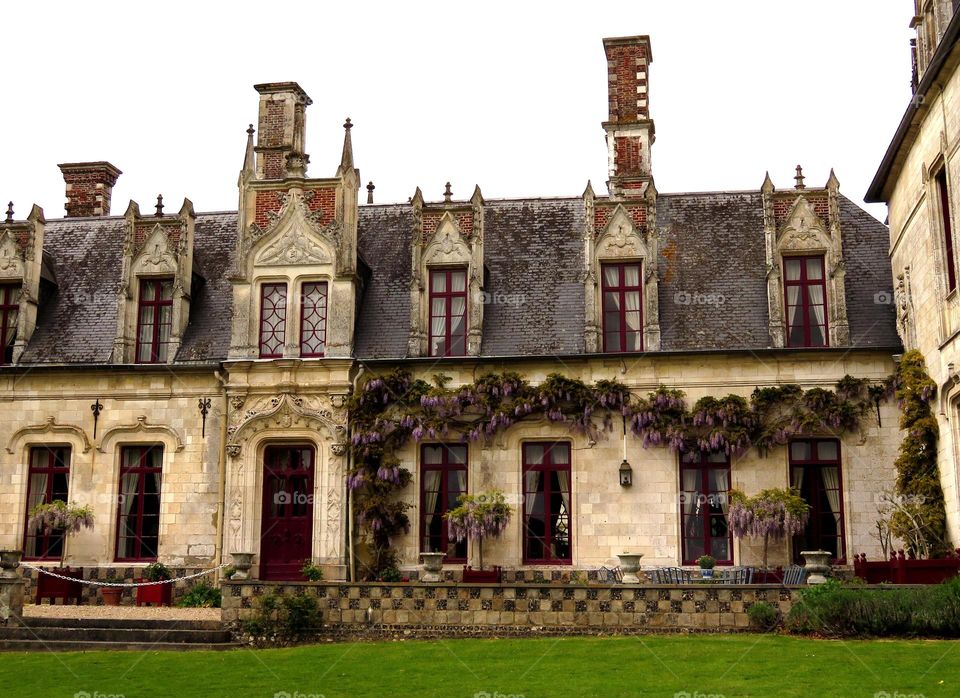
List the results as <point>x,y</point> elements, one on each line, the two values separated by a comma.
<point>143,612</point>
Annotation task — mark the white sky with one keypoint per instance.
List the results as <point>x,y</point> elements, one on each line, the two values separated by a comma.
<point>507,95</point>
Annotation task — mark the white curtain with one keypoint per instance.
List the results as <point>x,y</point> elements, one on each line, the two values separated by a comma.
<point>437,329</point>
<point>633,311</point>
<point>611,276</point>
<point>533,490</point>
<point>831,486</point>
<point>723,486</point>
<point>798,478</point>
<point>458,316</point>
<point>563,478</point>
<point>431,491</point>
<point>816,303</point>
<point>691,499</point>
<point>793,304</point>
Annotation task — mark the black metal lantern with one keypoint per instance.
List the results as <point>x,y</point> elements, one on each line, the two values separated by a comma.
<point>626,474</point>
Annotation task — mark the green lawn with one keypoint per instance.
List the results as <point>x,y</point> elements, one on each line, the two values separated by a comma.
<point>698,666</point>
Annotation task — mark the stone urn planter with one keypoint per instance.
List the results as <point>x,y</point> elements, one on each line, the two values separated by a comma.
<point>817,565</point>
<point>111,595</point>
<point>242,562</point>
<point>432,567</point>
<point>9,562</point>
<point>630,565</point>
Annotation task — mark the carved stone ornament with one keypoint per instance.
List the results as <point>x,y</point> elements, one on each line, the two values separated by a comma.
<point>338,449</point>
<point>49,427</point>
<point>11,261</point>
<point>156,255</point>
<point>141,427</point>
<point>295,236</point>
<point>448,246</point>
<point>280,412</point>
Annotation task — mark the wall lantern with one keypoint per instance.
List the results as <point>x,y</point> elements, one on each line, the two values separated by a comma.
<point>626,474</point>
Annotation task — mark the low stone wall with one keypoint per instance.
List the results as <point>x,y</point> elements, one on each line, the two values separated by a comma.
<point>518,608</point>
<point>114,574</point>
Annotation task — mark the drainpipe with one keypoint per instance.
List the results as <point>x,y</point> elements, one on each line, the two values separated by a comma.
<point>222,466</point>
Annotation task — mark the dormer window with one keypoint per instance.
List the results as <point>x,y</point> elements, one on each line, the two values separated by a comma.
<point>9,312</point>
<point>313,319</point>
<point>273,320</point>
<point>154,320</point>
<point>622,307</point>
<point>448,312</point>
<point>806,301</point>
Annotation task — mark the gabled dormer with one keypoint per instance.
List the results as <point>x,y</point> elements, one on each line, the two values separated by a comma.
<point>294,277</point>
<point>447,273</point>
<point>805,267</point>
<point>21,259</point>
<point>156,284</point>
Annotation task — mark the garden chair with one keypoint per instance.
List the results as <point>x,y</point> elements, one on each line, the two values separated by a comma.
<point>672,575</point>
<point>737,575</point>
<point>610,575</point>
<point>795,574</point>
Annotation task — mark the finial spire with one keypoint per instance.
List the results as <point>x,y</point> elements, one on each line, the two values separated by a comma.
<point>159,205</point>
<point>800,178</point>
<point>10,212</point>
<point>370,188</point>
<point>346,159</point>
<point>447,194</point>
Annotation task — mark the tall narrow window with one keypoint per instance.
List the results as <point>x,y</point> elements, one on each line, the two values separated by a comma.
<point>48,480</point>
<point>622,313</point>
<point>546,504</point>
<point>273,320</point>
<point>805,292</point>
<point>9,311</point>
<point>815,471</point>
<point>448,312</point>
<point>313,319</point>
<point>947,226</point>
<point>138,509</point>
<point>443,478</point>
<point>154,320</point>
<point>704,502</point>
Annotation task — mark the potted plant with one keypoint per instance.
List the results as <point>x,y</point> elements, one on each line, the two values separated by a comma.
<point>707,563</point>
<point>772,515</point>
<point>160,592</point>
<point>312,571</point>
<point>477,517</point>
<point>111,595</point>
<point>68,519</point>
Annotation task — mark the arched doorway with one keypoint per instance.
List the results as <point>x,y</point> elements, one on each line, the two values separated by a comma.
<point>286,533</point>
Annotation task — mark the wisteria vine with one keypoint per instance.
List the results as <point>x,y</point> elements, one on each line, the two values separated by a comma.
<point>389,410</point>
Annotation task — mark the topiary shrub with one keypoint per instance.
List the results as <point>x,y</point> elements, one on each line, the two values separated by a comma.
<point>763,616</point>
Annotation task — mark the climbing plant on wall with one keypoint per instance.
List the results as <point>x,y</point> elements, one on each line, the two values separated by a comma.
<point>387,411</point>
<point>920,516</point>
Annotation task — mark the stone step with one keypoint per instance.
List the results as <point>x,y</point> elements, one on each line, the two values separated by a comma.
<point>125,635</point>
<point>80,646</point>
<point>119,623</point>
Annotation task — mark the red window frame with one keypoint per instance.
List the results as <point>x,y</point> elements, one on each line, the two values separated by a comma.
<point>447,494</point>
<point>545,501</point>
<point>273,321</point>
<point>804,283</point>
<point>813,489</point>
<point>158,303</point>
<point>701,510</point>
<point>617,308</point>
<point>53,462</point>
<point>139,519</point>
<point>453,343</point>
<point>9,314</point>
<point>313,319</point>
<point>944,200</point>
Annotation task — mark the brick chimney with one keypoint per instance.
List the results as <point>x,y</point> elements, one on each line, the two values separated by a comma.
<point>280,136</point>
<point>89,188</point>
<point>630,131</point>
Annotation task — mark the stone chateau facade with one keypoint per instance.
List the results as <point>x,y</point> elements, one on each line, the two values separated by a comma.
<point>186,374</point>
<point>919,180</point>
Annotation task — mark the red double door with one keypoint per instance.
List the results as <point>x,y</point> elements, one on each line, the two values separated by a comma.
<point>286,533</point>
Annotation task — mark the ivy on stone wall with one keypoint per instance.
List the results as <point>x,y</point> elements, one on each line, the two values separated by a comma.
<point>920,518</point>
<point>388,411</point>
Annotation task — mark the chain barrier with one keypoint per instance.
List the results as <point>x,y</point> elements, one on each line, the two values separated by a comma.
<point>97,583</point>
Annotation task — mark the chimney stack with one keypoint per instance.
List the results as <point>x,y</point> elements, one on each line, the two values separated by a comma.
<point>89,188</point>
<point>630,131</point>
<point>281,128</point>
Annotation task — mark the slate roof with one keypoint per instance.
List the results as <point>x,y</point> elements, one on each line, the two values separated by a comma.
<point>711,248</point>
